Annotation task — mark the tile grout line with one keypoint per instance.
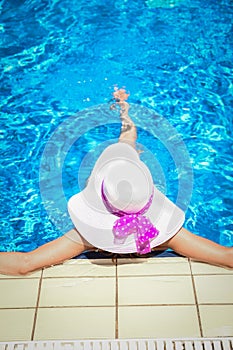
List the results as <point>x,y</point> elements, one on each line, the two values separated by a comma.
<point>37,305</point>
<point>75,277</point>
<point>109,306</point>
<point>116,306</point>
<point>157,275</point>
<point>196,300</point>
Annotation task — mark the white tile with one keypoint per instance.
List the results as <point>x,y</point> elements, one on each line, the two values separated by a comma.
<point>18,293</point>
<point>87,291</point>
<point>153,266</point>
<point>217,320</point>
<point>205,269</point>
<point>36,274</point>
<point>155,290</point>
<point>75,323</point>
<point>16,324</point>
<point>214,288</point>
<point>158,322</point>
<point>82,268</point>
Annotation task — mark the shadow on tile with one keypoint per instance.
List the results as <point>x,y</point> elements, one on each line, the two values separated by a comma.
<point>106,255</point>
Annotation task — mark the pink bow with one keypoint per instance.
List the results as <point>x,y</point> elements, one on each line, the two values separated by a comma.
<point>140,226</point>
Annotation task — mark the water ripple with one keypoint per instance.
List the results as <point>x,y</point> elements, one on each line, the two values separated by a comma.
<point>60,57</point>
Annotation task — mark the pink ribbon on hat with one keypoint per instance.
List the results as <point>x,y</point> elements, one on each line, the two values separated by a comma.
<point>134,223</point>
<point>142,228</point>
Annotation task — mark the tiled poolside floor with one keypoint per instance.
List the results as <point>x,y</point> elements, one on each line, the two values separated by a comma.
<point>131,298</point>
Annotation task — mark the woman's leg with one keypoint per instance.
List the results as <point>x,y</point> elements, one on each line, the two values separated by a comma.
<point>52,253</point>
<point>201,249</point>
<point>128,129</point>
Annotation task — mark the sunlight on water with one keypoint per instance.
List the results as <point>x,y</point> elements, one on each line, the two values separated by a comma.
<point>62,59</point>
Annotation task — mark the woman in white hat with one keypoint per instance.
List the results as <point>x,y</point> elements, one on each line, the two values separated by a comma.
<point>120,211</point>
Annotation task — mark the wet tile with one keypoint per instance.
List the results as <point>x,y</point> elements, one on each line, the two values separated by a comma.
<point>155,290</point>
<point>153,266</point>
<point>81,268</point>
<point>78,292</point>
<point>205,269</point>
<point>18,293</point>
<point>214,288</point>
<point>75,323</point>
<point>217,320</point>
<point>158,321</point>
<point>16,324</point>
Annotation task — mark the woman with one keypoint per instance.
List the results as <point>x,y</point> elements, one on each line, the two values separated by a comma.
<point>120,211</point>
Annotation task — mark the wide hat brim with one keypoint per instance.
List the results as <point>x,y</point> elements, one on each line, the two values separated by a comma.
<point>95,223</point>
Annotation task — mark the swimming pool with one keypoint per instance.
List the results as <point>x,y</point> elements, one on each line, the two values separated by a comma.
<point>61,59</point>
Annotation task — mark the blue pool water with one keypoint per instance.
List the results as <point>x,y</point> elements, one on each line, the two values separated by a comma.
<point>60,60</point>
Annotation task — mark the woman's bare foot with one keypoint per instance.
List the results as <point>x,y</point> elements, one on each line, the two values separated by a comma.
<point>120,95</point>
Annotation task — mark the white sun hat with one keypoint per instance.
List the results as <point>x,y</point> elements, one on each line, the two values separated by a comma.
<point>120,210</point>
